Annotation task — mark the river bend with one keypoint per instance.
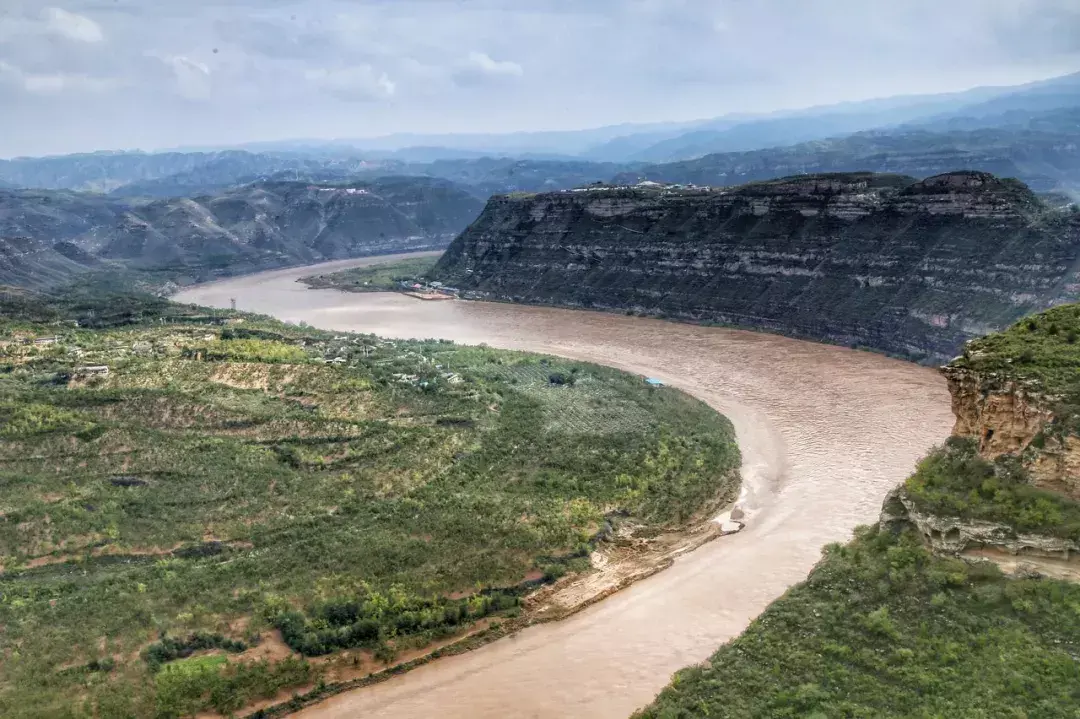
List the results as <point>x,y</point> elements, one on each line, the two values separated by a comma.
<point>824,431</point>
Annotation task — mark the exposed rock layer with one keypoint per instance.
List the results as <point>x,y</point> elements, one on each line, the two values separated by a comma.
<point>992,541</point>
<point>909,267</point>
<point>1009,417</point>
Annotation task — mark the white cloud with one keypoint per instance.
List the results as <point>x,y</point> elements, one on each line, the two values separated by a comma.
<point>479,68</point>
<point>483,63</point>
<point>192,78</point>
<point>72,26</point>
<point>55,83</point>
<point>359,83</point>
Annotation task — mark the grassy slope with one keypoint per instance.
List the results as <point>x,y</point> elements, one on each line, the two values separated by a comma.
<point>954,481</point>
<point>375,278</point>
<point>1044,349</point>
<point>883,629</point>
<point>224,481</point>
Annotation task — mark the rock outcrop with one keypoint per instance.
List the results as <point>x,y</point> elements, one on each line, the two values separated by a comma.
<point>1017,553</point>
<point>1014,417</point>
<point>912,268</point>
<point>1002,415</point>
<point>952,535</point>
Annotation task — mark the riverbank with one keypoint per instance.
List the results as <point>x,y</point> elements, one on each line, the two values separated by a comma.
<point>228,484</point>
<point>824,432</point>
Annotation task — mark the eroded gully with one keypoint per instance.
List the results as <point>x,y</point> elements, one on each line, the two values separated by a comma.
<point>824,431</point>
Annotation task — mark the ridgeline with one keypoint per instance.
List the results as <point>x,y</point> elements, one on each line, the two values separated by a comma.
<point>910,268</point>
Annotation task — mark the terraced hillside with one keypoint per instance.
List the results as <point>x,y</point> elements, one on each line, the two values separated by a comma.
<point>204,510</point>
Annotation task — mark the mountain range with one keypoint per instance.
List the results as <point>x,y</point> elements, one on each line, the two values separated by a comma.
<point>1038,118</point>
<point>50,237</point>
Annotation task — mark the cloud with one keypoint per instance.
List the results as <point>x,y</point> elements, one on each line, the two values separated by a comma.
<point>124,71</point>
<point>353,84</point>
<point>72,26</point>
<point>192,78</point>
<point>479,68</point>
<point>54,83</point>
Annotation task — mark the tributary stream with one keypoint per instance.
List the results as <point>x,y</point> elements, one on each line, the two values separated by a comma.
<point>825,432</point>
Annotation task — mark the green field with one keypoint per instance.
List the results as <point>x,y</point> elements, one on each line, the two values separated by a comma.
<point>374,278</point>
<point>234,483</point>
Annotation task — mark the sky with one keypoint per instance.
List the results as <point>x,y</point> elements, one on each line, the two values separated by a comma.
<point>83,75</point>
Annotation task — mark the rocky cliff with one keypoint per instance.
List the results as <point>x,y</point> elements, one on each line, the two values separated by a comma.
<point>1018,393</point>
<point>1006,486</point>
<point>908,267</point>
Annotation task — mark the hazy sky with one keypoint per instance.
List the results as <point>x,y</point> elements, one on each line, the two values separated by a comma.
<point>95,74</point>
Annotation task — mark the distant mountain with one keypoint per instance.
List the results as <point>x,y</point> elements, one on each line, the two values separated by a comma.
<point>489,176</point>
<point>1043,152</point>
<point>534,161</point>
<point>98,171</point>
<point>231,169</point>
<point>974,108</point>
<point>48,237</point>
<point>483,176</point>
<point>1052,94</point>
<point>162,174</point>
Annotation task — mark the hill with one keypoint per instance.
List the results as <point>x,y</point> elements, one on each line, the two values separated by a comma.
<point>962,601</point>
<point>913,268</point>
<point>1037,148</point>
<point>976,108</point>
<point>203,509</point>
<point>50,237</point>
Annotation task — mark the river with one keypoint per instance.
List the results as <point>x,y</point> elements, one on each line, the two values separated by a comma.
<point>824,431</point>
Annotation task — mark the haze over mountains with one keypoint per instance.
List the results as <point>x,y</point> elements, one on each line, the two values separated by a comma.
<point>196,214</point>
<point>1040,117</point>
<point>50,237</point>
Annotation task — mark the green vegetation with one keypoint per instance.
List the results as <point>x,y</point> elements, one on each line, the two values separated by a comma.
<point>1041,352</point>
<point>374,278</point>
<point>954,481</point>
<point>882,628</point>
<point>1043,349</point>
<point>234,482</point>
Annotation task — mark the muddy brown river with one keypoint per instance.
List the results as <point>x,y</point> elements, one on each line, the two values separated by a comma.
<point>824,431</point>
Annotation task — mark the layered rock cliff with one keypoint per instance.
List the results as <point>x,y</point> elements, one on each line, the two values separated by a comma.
<point>1018,393</point>
<point>1006,485</point>
<point>908,267</point>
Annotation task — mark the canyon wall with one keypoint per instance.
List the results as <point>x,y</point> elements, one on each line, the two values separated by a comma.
<point>912,268</point>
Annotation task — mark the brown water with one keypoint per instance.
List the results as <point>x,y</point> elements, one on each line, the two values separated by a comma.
<point>825,432</point>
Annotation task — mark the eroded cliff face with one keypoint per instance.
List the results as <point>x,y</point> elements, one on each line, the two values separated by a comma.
<point>1012,417</point>
<point>1017,553</point>
<point>913,268</point>
<point>1004,416</point>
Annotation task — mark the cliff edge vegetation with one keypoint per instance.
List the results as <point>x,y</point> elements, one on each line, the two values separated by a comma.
<point>374,278</point>
<point>202,511</point>
<point>908,267</point>
<point>965,599</point>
